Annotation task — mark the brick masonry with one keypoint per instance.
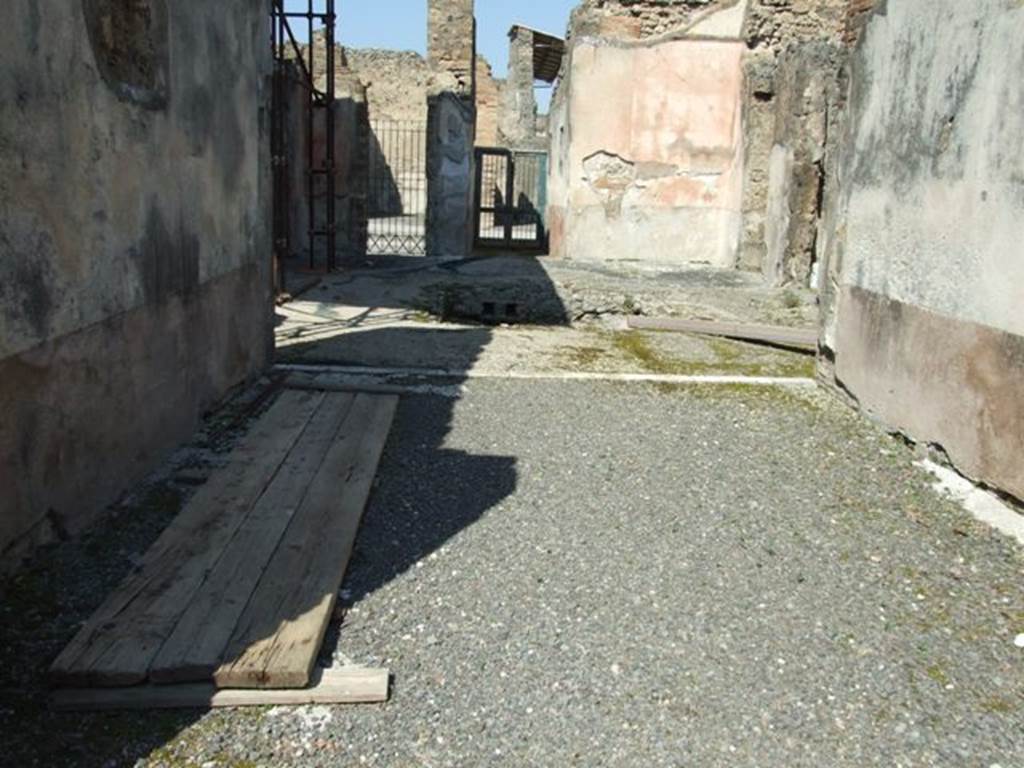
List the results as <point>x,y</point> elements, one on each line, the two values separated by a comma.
<point>451,40</point>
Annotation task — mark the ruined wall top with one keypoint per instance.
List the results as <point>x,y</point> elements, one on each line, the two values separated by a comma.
<point>774,23</point>
<point>488,103</point>
<point>451,39</point>
<point>768,23</point>
<point>397,82</point>
<point>637,19</point>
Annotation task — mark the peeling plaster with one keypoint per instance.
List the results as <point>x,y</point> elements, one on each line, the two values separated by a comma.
<point>610,176</point>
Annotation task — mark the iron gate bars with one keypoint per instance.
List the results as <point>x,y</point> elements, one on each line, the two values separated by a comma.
<point>318,12</point>
<point>397,193</point>
<point>511,195</point>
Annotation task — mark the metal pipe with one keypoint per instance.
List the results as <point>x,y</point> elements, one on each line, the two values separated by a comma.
<point>329,159</point>
<point>310,137</point>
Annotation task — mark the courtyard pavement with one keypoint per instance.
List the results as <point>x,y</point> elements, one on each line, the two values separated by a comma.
<point>589,572</point>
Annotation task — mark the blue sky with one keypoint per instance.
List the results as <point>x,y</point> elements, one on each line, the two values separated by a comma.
<point>402,25</point>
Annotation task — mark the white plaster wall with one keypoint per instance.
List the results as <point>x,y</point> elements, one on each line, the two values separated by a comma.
<point>927,238</point>
<point>935,185</point>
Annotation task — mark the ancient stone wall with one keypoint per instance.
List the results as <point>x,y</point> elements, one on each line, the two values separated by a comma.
<point>777,24</point>
<point>646,136</point>
<point>450,131</point>
<point>647,153</point>
<point>451,127</point>
<point>134,242</point>
<point>795,56</point>
<point>638,19</point>
<point>397,85</point>
<point>792,64</point>
<point>488,104</point>
<point>518,121</point>
<point>451,41</point>
<point>397,82</point>
<point>924,218</point>
<point>382,110</point>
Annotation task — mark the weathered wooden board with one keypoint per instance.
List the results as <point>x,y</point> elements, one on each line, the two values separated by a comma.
<point>332,686</point>
<point>119,642</point>
<point>277,639</point>
<point>242,585</point>
<point>797,338</point>
<point>193,651</point>
<point>330,383</point>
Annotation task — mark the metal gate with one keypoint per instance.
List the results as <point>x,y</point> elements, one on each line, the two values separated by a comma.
<point>511,195</point>
<point>396,203</point>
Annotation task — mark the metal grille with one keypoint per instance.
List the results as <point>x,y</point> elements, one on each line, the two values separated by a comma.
<point>493,173</point>
<point>319,17</point>
<point>529,197</point>
<point>397,194</point>
<point>511,196</point>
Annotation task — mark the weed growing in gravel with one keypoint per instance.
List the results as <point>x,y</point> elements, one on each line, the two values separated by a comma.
<point>762,397</point>
<point>791,299</point>
<point>583,358</point>
<point>937,673</point>
<point>998,706</point>
<point>729,359</point>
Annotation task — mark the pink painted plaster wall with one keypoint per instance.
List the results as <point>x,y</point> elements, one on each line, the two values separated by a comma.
<point>655,155</point>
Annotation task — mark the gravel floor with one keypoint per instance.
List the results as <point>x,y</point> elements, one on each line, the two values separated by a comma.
<point>608,575</point>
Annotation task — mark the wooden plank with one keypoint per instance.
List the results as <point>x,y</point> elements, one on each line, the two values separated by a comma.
<point>193,651</point>
<point>117,644</point>
<point>798,338</point>
<point>327,383</point>
<point>278,637</point>
<point>331,686</point>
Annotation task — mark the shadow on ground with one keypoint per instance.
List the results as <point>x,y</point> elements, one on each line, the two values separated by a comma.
<point>44,606</point>
<point>45,603</point>
<point>487,289</point>
<point>464,485</point>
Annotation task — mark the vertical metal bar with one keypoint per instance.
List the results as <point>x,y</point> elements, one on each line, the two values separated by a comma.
<point>398,137</point>
<point>278,146</point>
<point>422,160</point>
<point>378,157</point>
<point>478,183</point>
<point>394,169</point>
<point>310,138</point>
<point>285,155</point>
<point>329,159</point>
<point>274,104</point>
<point>510,184</point>
<point>529,191</point>
<point>542,200</point>
<point>397,187</point>
<point>371,185</point>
